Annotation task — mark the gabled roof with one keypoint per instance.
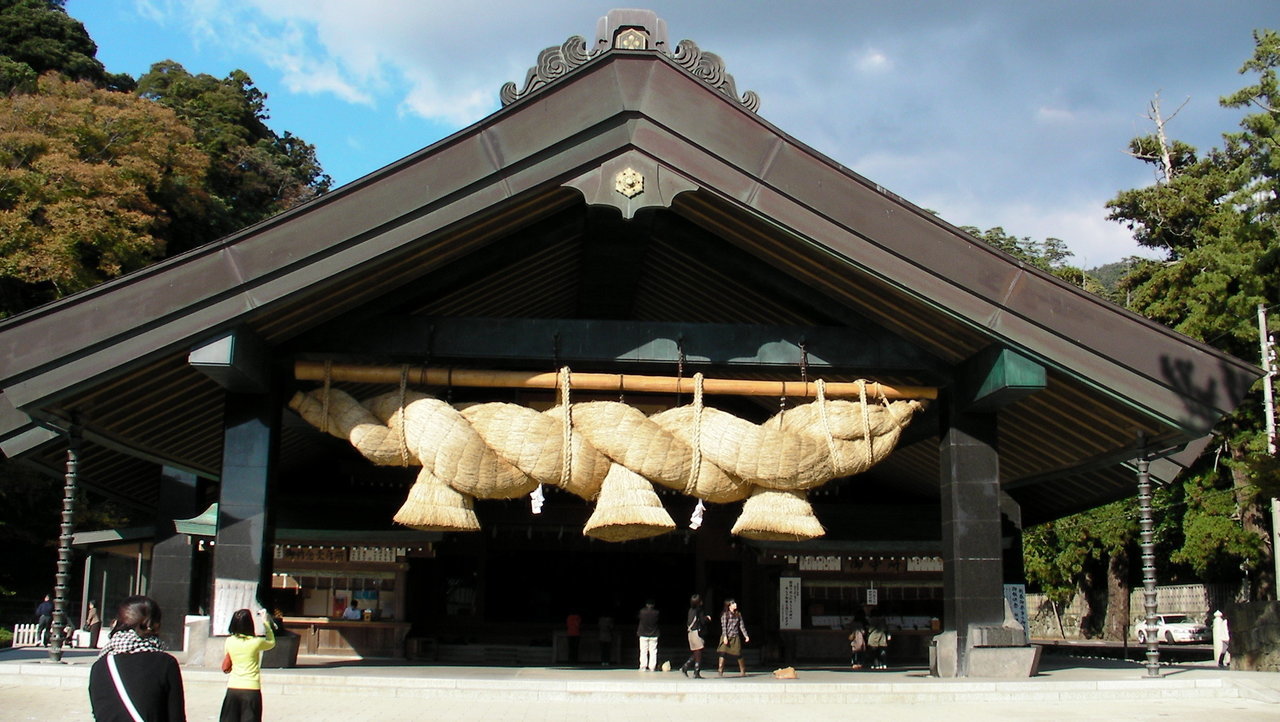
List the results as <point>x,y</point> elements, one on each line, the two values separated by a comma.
<point>744,209</point>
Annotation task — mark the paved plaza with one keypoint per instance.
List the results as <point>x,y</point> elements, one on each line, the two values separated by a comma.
<point>1067,688</point>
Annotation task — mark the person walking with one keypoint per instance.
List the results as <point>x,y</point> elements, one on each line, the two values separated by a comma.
<point>732,634</point>
<point>696,622</point>
<point>606,641</point>
<point>44,620</point>
<point>1222,639</point>
<point>243,702</point>
<point>133,677</point>
<point>647,631</point>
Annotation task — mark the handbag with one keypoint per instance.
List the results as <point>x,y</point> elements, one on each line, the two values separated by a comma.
<point>124,696</point>
<point>226,663</point>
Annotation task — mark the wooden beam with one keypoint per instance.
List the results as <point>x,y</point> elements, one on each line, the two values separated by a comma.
<point>621,383</point>
<point>864,349</point>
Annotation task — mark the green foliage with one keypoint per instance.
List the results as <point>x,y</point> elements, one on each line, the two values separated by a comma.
<point>1214,217</point>
<point>1064,556</point>
<point>1050,255</point>
<point>6,638</point>
<point>16,77</point>
<point>40,35</point>
<point>1215,545</point>
<point>255,173</point>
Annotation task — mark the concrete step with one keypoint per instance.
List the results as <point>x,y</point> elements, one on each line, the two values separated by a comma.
<point>813,686</point>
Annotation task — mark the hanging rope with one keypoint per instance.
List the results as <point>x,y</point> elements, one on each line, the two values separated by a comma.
<point>566,456</point>
<point>866,421</point>
<point>696,443</point>
<point>832,448</point>
<point>328,380</point>
<point>404,439</point>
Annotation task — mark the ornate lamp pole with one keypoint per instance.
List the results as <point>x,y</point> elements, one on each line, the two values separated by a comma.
<point>63,579</point>
<point>1147,544</point>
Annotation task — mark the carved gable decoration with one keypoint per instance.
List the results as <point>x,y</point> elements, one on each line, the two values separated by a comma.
<point>628,30</point>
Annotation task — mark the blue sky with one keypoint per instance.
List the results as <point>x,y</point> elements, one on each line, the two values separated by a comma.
<point>1013,113</point>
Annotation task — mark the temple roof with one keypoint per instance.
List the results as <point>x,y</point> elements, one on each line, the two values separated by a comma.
<point>628,187</point>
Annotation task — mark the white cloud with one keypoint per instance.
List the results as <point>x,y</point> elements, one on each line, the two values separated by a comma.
<point>1047,114</point>
<point>1081,223</point>
<point>872,60</point>
<point>427,100</point>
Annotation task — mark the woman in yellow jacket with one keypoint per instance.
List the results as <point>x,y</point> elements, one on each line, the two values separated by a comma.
<point>243,702</point>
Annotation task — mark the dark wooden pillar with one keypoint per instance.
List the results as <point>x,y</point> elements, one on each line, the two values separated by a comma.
<point>971,527</point>
<point>973,570</point>
<point>173,554</point>
<point>244,542</point>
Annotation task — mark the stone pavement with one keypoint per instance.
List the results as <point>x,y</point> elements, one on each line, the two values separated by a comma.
<point>1067,688</point>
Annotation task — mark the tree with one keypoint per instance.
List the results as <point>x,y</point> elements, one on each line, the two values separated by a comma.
<point>40,36</point>
<point>1050,255</point>
<point>255,173</point>
<point>1214,218</point>
<point>86,176</point>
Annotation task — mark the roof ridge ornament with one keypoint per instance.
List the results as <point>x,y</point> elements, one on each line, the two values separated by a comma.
<point>629,30</point>
<point>553,62</point>
<point>709,68</point>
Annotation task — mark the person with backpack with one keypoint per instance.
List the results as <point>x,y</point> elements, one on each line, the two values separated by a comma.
<point>858,640</point>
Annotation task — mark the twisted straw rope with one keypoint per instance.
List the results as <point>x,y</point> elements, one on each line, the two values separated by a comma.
<point>566,446</point>
<point>696,444</point>
<point>403,436</point>
<point>505,450</point>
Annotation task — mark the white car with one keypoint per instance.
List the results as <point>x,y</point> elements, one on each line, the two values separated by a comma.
<point>1173,628</point>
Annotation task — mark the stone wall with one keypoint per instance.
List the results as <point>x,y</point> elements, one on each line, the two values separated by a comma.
<point>1197,600</point>
<point>1255,636</point>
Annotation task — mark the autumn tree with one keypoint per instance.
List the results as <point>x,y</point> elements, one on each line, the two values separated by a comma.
<point>86,178</point>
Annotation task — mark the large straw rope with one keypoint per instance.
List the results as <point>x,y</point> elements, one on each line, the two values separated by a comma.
<point>500,450</point>
<point>504,450</point>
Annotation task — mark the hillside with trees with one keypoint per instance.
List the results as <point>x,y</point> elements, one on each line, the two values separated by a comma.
<point>100,175</point>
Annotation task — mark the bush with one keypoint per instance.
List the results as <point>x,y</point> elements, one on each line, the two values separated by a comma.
<point>6,638</point>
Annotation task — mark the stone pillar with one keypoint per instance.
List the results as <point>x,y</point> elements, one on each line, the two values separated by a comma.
<point>242,553</point>
<point>172,555</point>
<point>971,526</point>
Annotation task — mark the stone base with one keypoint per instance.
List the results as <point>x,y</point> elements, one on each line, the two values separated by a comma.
<point>1004,661</point>
<point>944,655</point>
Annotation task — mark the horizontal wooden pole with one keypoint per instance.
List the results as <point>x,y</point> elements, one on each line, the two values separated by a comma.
<point>621,383</point>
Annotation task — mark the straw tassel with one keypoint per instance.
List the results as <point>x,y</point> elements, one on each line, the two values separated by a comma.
<point>774,515</point>
<point>628,509</point>
<point>434,506</point>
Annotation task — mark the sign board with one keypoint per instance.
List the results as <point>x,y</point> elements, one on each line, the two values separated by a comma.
<point>819,564</point>
<point>924,564</point>
<point>228,596</point>
<point>376,554</point>
<point>873,596</point>
<point>789,603</point>
<point>1016,596</point>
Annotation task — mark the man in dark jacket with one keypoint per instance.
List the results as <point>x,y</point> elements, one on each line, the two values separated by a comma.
<point>44,620</point>
<point>647,631</point>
